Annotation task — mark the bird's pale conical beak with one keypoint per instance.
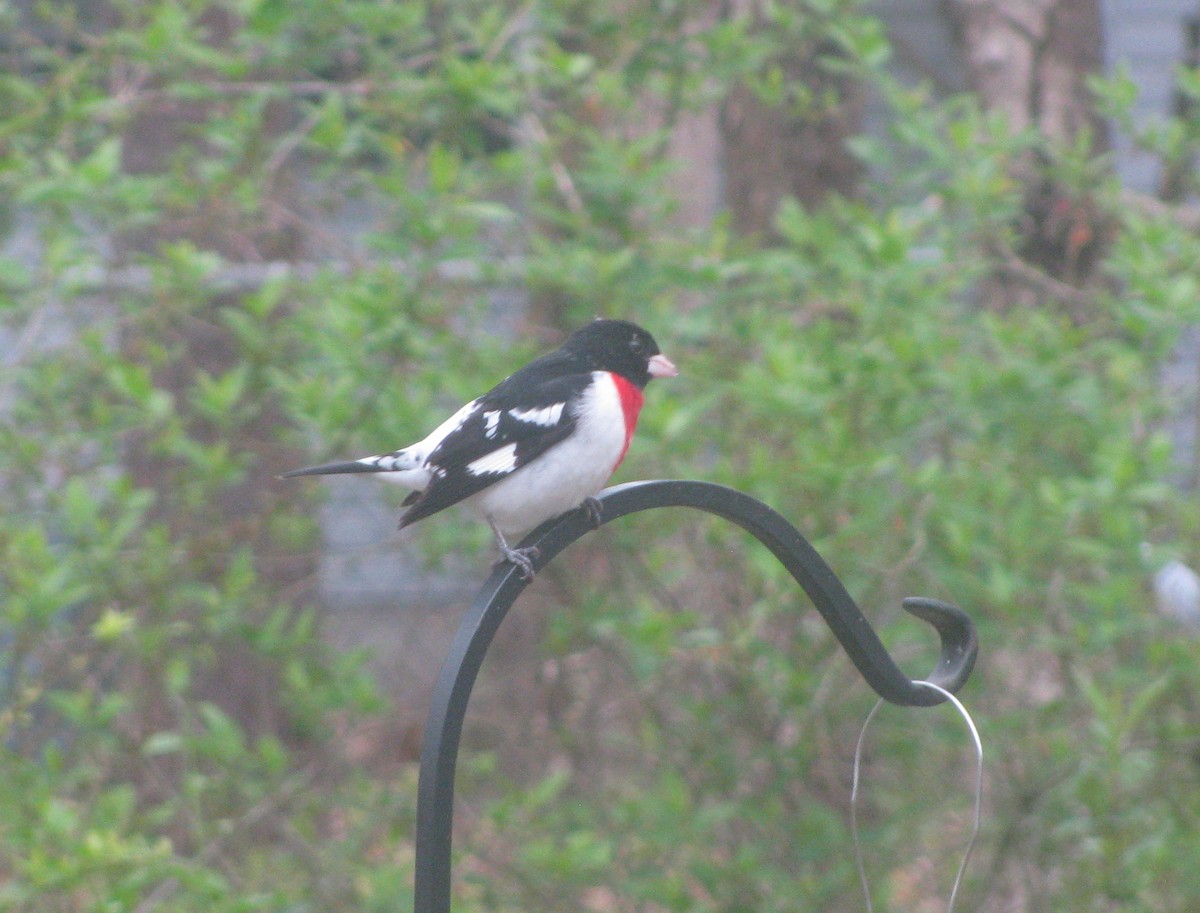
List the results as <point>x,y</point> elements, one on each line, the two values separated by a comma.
<point>661,366</point>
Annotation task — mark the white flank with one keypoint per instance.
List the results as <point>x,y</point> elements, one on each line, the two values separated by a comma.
<point>503,460</point>
<point>547,416</point>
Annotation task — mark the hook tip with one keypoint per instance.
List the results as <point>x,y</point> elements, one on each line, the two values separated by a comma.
<point>960,639</point>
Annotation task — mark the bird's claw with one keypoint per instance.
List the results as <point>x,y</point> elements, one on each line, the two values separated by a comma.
<point>594,510</point>
<point>522,558</point>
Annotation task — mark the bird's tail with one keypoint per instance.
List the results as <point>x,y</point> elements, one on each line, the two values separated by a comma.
<point>389,462</point>
<point>331,469</point>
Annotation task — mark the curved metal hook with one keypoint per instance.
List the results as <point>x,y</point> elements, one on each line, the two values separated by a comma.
<point>443,727</point>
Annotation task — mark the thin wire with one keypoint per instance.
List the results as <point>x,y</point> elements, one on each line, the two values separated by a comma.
<point>858,855</point>
<point>978,814</point>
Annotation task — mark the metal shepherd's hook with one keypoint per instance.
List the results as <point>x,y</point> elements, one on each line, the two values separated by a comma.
<point>443,727</point>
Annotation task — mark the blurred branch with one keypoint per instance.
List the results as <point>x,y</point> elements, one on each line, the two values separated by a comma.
<point>248,277</point>
<point>16,351</point>
<point>511,28</point>
<point>563,181</point>
<point>303,88</point>
<point>276,802</point>
<point>1012,266</point>
<point>292,141</point>
<point>1186,217</point>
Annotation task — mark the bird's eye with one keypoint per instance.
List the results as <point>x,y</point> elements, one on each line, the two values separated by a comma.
<point>636,345</point>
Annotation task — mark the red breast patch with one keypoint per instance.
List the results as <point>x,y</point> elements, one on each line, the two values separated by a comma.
<point>631,405</point>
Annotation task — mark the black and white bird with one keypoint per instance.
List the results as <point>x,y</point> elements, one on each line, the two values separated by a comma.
<point>541,442</point>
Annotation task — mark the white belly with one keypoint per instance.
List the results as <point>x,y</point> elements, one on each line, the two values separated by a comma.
<point>566,474</point>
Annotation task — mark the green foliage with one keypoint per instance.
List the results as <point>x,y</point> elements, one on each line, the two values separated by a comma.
<point>176,732</point>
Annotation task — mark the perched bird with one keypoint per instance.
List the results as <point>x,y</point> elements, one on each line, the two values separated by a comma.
<point>541,442</point>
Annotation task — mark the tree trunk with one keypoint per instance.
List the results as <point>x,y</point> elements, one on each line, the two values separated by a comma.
<point>1030,60</point>
<point>773,151</point>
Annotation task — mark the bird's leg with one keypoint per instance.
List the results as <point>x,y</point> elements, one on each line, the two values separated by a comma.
<point>595,510</point>
<point>521,557</point>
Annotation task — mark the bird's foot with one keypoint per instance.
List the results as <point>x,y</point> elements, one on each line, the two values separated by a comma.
<point>595,510</point>
<point>522,558</point>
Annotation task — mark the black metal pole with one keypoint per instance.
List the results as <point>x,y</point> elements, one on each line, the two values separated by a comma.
<point>443,727</point>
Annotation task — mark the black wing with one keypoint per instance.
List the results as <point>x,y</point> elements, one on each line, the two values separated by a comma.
<point>511,425</point>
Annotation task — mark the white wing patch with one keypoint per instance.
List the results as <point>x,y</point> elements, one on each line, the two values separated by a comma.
<point>546,416</point>
<point>498,462</point>
<point>493,421</point>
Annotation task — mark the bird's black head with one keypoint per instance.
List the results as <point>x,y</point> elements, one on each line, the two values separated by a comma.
<point>621,347</point>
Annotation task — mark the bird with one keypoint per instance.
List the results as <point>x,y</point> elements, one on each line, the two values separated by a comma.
<point>539,444</point>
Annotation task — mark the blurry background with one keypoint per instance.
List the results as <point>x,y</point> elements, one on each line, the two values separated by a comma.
<point>931,271</point>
